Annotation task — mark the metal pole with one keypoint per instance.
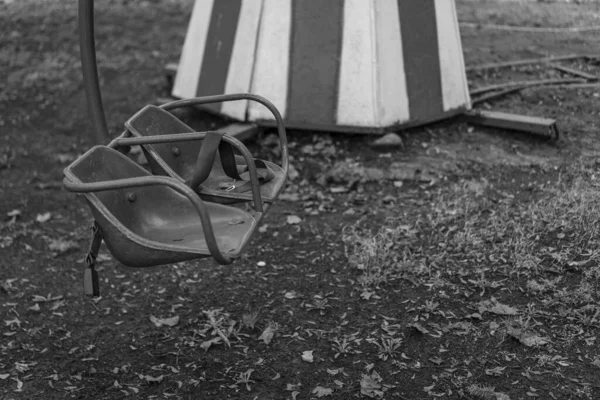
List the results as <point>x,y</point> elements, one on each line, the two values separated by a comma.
<point>87,48</point>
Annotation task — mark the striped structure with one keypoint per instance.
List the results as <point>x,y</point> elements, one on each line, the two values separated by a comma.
<point>349,65</point>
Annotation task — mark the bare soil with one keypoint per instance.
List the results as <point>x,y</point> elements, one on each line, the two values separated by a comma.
<point>439,280</point>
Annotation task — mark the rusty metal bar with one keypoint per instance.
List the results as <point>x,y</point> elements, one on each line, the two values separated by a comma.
<point>516,63</point>
<point>240,96</point>
<point>539,126</point>
<point>524,84</point>
<point>182,137</point>
<point>575,72</point>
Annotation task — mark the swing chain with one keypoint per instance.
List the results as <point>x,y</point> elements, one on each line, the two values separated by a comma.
<point>92,254</point>
<point>91,285</point>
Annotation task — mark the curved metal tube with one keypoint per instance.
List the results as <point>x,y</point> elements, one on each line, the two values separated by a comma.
<point>174,184</point>
<point>181,137</point>
<point>89,67</point>
<point>222,98</point>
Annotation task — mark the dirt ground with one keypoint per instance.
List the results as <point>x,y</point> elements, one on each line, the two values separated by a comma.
<point>463,265</point>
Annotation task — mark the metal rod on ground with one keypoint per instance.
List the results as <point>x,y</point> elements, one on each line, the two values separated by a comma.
<point>539,126</point>
<point>495,95</point>
<point>575,72</point>
<point>538,84</point>
<point>87,48</point>
<point>524,84</point>
<point>516,63</point>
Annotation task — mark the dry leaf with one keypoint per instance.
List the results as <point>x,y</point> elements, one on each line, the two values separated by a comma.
<point>267,334</point>
<point>494,306</point>
<point>531,339</point>
<point>419,327</point>
<point>497,371</point>
<point>308,356</point>
<point>370,386</point>
<point>62,246</point>
<point>35,307</point>
<point>293,219</point>
<point>164,321</point>
<point>45,217</point>
<point>151,379</point>
<point>320,391</point>
<point>206,345</point>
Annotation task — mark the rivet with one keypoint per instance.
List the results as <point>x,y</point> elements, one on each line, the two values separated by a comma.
<point>176,151</point>
<point>131,197</point>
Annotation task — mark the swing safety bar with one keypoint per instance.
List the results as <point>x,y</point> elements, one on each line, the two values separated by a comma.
<point>180,137</point>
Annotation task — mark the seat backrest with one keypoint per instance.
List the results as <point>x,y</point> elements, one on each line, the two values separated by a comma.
<point>179,156</point>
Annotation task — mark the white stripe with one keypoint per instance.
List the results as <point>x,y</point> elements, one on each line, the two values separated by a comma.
<point>454,80</point>
<point>242,58</point>
<point>356,97</point>
<point>271,67</point>
<point>190,63</point>
<point>393,104</point>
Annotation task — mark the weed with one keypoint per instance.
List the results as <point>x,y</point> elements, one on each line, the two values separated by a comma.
<point>250,319</point>
<point>483,392</point>
<point>388,347</point>
<point>345,346</point>
<point>244,377</point>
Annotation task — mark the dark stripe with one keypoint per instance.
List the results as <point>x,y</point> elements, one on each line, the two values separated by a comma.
<point>315,49</point>
<point>421,58</point>
<point>219,45</point>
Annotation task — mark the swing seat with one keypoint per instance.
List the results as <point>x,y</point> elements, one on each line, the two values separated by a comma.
<point>149,220</point>
<point>227,182</point>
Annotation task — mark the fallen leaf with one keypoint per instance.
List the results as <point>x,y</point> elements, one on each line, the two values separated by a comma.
<point>531,339</point>
<point>4,376</point>
<point>293,219</point>
<point>494,306</point>
<point>497,371</point>
<point>206,345</point>
<point>320,391</point>
<point>419,327</point>
<point>291,295</point>
<point>334,371</point>
<point>436,360</point>
<point>366,294</point>
<point>45,217</point>
<point>267,334</point>
<point>307,356</point>
<point>151,379</point>
<point>164,321</point>
<point>370,387</point>
<point>62,246</point>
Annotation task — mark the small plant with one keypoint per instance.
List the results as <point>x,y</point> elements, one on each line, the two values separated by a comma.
<point>250,319</point>
<point>345,345</point>
<point>244,377</point>
<point>486,392</point>
<point>388,347</point>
